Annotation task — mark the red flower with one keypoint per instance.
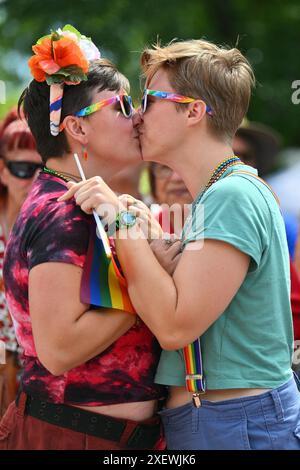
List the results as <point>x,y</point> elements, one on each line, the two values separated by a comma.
<point>51,56</point>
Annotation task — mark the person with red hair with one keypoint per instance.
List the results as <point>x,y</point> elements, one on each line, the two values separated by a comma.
<point>19,162</point>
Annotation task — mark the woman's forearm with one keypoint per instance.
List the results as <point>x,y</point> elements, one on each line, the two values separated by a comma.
<point>151,289</point>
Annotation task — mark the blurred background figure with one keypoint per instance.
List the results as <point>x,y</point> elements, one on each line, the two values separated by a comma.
<point>285,181</point>
<point>19,163</point>
<point>259,146</point>
<point>127,181</point>
<point>168,190</point>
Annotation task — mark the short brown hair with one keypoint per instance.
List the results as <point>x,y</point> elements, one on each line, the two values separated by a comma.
<point>221,77</point>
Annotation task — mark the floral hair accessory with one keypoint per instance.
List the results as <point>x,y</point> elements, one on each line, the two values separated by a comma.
<point>61,57</point>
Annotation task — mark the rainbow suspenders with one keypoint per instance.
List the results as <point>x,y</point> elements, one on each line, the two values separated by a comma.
<point>195,381</point>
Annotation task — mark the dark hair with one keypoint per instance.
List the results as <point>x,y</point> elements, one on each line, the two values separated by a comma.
<point>263,145</point>
<point>102,75</point>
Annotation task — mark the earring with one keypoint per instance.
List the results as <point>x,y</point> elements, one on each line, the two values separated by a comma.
<point>84,153</point>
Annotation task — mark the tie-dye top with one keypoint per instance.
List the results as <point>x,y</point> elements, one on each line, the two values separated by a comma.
<point>7,331</point>
<point>49,231</point>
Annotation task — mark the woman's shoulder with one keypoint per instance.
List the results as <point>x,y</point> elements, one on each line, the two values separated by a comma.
<point>42,201</point>
<point>243,189</point>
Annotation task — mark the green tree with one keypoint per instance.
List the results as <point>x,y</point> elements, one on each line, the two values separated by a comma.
<point>267,32</point>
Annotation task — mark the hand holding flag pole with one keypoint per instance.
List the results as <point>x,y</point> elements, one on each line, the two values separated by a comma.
<point>101,230</point>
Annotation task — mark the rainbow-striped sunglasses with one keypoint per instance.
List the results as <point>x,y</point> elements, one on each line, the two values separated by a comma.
<point>168,96</point>
<point>124,100</point>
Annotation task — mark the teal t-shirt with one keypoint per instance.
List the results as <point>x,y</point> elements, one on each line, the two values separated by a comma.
<point>250,345</point>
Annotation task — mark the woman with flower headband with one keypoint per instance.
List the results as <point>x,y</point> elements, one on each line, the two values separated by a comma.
<point>88,371</point>
<point>224,316</point>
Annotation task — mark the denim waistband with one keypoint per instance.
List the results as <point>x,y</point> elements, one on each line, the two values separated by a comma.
<point>275,401</point>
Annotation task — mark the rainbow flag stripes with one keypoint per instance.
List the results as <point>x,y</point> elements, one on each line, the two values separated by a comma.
<point>102,283</point>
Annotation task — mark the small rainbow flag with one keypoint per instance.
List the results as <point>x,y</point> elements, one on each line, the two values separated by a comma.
<point>102,283</point>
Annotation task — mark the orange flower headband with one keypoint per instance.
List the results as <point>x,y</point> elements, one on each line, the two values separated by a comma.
<point>61,57</point>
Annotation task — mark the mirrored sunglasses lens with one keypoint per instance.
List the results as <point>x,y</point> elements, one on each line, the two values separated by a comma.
<point>127,106</point>
<point>144,102</point>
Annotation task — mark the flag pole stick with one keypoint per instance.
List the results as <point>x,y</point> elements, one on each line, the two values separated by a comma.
<point>101,230</point>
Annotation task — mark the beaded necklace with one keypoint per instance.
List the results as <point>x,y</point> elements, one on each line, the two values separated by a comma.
<point>64,176</point>
<point>219,172</point>
<point>216,175</point>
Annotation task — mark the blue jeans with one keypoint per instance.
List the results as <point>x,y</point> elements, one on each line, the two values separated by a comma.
<point>267,421</point>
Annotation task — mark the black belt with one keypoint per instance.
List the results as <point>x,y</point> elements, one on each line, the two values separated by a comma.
<point>144,435</point>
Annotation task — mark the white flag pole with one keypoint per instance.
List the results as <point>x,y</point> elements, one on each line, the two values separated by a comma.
<point>101,230</point>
